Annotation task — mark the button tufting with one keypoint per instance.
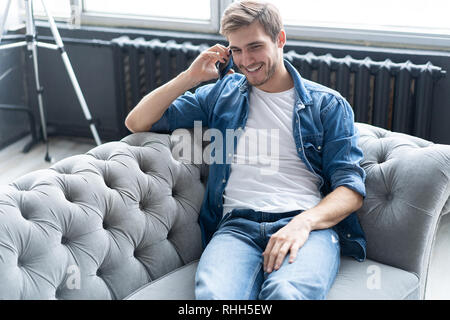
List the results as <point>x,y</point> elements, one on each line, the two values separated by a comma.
<point>107,183</point>
<point>382,158</point>
<point>20,263</point>
<point>98,273</point>
<point>64,240</point>
<point>67,196</point>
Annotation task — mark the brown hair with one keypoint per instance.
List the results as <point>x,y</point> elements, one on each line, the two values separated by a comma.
<point>243,13</point>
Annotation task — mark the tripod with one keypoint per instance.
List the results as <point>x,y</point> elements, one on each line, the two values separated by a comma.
<point>31,43</point>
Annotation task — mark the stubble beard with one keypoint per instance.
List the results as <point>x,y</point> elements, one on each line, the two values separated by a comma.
<point>269,74</point>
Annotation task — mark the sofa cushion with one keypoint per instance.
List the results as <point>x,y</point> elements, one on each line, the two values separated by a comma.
<point>371,280</point>
<point>355,281</point>
<point>176,285</point>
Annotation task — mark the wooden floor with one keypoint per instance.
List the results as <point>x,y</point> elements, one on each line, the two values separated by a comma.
<point>14,163</point>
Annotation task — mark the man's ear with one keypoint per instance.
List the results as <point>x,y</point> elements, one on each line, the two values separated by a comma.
<point>281,40</point>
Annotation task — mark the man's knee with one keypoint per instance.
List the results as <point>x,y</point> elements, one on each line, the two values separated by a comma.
<point>215,290</point>
<point>286,289</point>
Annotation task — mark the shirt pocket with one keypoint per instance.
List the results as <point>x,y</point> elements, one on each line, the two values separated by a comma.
<point>313,147</point>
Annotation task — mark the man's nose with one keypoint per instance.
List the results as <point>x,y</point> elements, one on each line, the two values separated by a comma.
<point>247,58</point>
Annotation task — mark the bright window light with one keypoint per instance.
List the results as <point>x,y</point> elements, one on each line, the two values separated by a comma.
<point>391,15</point>
<point>57,8</point>
<point>180,9</point>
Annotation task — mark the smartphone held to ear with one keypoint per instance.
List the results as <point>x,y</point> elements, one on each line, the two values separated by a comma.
<point>223,68</point>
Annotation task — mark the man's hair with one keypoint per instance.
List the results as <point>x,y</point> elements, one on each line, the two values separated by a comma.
<point>244,13</point>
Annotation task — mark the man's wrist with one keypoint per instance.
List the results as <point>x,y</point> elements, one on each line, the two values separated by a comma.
<point>187,81</point>
<point>305,219</point>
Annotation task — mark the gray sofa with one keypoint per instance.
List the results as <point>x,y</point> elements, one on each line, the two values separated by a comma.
<point>120,222</point>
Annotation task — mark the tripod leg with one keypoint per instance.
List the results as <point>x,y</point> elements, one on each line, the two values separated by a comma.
<point>32,48</point>
<point>3,21</point>
<point>71,73</point>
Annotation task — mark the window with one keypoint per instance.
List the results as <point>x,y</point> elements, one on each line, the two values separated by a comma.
<point>383,21</point>
<point>178,9</point>
<point>199,15</point>
<point>410,23</point>
<point>57,8</point>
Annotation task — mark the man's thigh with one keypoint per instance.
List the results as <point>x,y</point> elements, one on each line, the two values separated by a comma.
<point>312,273</point>
<point>231,264</point>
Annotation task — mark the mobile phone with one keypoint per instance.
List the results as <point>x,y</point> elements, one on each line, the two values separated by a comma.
<point>223,68</point>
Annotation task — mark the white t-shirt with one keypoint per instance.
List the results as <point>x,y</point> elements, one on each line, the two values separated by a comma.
<point>266,172</point>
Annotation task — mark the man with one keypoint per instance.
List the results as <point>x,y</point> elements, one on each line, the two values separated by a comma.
<point>276,234</point>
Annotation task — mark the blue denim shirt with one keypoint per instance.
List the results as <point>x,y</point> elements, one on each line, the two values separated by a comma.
<point>324,134</point>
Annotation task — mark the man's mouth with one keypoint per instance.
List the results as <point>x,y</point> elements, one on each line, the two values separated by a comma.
<point>254,69</point>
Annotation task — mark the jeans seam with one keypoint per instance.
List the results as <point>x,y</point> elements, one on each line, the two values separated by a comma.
<point>250,288</point>
<point>338,262</point>
<point>262,230</point>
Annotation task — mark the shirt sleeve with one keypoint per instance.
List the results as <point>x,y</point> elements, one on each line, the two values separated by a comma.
<point>186,109</point>
<point>341,153</point>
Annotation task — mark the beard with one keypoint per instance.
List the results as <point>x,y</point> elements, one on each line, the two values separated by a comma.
<point>269,72</point>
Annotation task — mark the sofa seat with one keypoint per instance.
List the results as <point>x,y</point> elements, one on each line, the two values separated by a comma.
<point>354,282</point>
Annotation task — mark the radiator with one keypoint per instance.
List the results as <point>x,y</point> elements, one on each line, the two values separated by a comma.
<point>394,96</point>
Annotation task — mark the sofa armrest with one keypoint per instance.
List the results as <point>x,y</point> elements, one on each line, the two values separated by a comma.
<point>407,190</point>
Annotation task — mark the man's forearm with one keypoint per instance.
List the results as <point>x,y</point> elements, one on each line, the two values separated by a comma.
<point>335,207</point>
<point>330,211</point>
<point>151,108</point>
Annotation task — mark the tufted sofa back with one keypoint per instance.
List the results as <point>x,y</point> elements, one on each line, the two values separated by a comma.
<point>100,225</point>
<point>103,224</point>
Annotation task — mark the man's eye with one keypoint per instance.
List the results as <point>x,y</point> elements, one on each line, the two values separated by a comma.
<point>255,47</point>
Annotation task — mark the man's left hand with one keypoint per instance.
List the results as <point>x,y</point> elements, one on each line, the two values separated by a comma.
<point>290,239</point>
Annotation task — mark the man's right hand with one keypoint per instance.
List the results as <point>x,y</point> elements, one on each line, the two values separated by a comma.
<point>204,66</point>
<point>151,108</point>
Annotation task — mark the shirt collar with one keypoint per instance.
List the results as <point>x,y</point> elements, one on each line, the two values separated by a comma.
<point>302,94</point>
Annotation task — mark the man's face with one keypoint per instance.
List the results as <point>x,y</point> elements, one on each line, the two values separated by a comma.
<point>256,55</point>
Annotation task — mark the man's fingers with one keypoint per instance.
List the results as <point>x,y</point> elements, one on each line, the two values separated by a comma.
<point>272,255</point>
<point>214,56</point>
<point>272,252</point>
<point>293,251</point>
<point>220,51</point>
<point>219,48</point>
<point>281,255</point>
<point>266,253</point>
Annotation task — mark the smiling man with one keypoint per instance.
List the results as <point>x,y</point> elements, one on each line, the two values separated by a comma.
<point>278,235</point>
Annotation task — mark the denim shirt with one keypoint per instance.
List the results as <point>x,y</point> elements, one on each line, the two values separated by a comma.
<point>324,134</point>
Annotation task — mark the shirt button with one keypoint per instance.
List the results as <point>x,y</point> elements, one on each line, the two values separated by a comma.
<point>348,235</point>
<point>319,148</point>
<point>224,180</point>
<point>299,149</point>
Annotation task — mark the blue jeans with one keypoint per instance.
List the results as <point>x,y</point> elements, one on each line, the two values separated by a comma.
<point>231,267</point>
